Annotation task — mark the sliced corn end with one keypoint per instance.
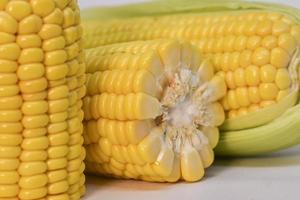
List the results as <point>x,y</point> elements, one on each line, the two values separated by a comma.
<point>41,86</point>
<point>255,51</point>
<point>151,111</point>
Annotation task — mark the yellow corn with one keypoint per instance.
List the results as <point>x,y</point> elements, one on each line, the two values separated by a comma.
<point>151,111</point>
<point>254,48</point>
<point>251,49</point>
<point>42,75</point>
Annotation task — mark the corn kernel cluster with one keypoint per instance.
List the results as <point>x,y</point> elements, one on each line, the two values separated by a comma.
<point>124,135</point>
<point>41,85</point>
<point>250,49</point>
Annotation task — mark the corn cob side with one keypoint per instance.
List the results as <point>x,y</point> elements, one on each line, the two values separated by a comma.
<point>254,47</point>
<point>135,126</point>
<point>41,86</point>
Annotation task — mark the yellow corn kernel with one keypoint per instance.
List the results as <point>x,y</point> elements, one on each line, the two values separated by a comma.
<point>232,99</point>
<point>30,25</point>
<point>269,42</point>
<point>42,8</point>
<point>282,79</point>
<point>49,31</point>
<point>239,77</point>
<point>279,58</point>
<point>253,42</point>
<point>31,55</point>
<point>242,96</point>
<point>29,41</point>
<point>295,32</point>
<point>18,9</point>
<point>8,23</point>
<point>230,80</point>
<point>6,38</point>
<point>252,75</point>
<point>245,58</point>
<point>280,27</point>
<point>268,91</point>
<point>287,42</point>
<point>260,56</point>
<point>145,106</point>
<point>55,17</point>
<point>264,27</point>
<point>267,73</point>
<point>191,172</point>
<point>9,51</point>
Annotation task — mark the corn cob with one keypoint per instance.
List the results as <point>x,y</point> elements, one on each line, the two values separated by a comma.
<point>251,60</point>
<point>134,125</point>
<point>41,80</point>
<point>255,48</point>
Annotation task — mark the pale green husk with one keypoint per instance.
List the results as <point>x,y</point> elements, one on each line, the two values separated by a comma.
<point>167,7</point>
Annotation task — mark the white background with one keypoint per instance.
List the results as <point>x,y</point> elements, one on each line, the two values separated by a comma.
<point>273,177</point>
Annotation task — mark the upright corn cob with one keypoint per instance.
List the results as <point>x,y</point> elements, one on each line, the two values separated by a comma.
<point>41,79</point>
<point>255,49</point>
<point>151,111</point>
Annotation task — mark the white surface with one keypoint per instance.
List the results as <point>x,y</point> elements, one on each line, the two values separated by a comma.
<point>275,177</point>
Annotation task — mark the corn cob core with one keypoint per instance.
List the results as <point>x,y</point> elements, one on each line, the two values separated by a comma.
<point>41,87</point>
<point>151,111</point>
<point>253,51</point>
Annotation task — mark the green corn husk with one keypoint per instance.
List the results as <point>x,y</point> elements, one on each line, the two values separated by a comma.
<point>167,7</point>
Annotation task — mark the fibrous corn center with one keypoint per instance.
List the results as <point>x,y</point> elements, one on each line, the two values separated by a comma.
<point>183,105</point>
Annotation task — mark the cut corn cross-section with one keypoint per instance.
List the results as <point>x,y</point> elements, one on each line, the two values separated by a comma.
<point>151,111</point>
<point>42,74</point>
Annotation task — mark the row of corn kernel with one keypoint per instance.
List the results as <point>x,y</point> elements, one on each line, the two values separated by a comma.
<point>253,75</point>
<point>197,20</point>
<point>33,86</point>
<point>190,32</point>
<point>281,83</point>
<point>233,43</point>
<point>75,81</point>
<point>10,106</point>
<point>27,183</point>
<point>244,100</point>
<point>273,23</point>
<point>33,181</point>
<point>10,114</point>
<point>54,46</point>
<point>122,82</point>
